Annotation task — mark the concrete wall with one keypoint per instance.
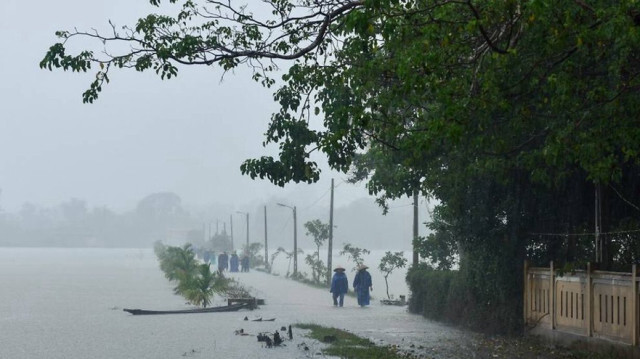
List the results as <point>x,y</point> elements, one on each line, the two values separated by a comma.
<point>588,306</point>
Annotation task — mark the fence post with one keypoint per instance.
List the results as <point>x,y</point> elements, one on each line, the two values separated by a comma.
<point>525,292</point>
<point>634,306</point>
<point>552,290</point>
<point>589,306</point>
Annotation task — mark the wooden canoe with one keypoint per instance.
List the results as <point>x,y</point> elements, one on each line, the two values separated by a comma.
<point>224,308</point>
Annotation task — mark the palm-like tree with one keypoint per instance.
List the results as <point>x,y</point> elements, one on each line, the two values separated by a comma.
<point>178,263</point>
<point>199,289</point>
<point>195,282</point>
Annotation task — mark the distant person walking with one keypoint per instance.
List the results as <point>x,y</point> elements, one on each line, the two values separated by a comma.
<point>223,262</point>
<point>339,286</point>
<point>245,263</point>
<point>233,262</point>
<point>362,285</point>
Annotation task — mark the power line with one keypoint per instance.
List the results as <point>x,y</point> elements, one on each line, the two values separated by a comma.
<point>401,206</point>
<point>584,234</point>
<point>285,224</point>
<point>317,200</point>
<point>323,195</point>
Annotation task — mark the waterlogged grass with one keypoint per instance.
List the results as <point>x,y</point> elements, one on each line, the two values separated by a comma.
<point>347,345</point>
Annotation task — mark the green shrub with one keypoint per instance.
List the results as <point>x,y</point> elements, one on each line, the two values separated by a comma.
<point>474,297</point>
<point>429,291</point>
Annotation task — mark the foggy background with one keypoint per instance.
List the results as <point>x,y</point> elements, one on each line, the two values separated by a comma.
<point>151,159</point>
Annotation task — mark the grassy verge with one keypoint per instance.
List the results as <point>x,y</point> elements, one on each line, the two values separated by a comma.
<point>349,346</point>
<point>346,345</point>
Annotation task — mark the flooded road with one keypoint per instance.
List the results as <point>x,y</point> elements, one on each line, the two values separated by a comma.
<point>67,303</point>
<point>385,325</point>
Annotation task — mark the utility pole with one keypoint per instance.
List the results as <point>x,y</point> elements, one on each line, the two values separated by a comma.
<point>295,242</point>
<point>247,215</point>
<point>330,245</point>
<point>598,223</point>
<point>416,257</point>
<point>295,237</point>
<point>231,225</point>
<point>266,247</point>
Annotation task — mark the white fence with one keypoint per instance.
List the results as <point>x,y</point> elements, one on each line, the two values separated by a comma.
<point>591,303</point>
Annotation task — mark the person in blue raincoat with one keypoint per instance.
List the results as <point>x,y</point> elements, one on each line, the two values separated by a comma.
<point>234,262</point>
<point>223,262</point>
<point>339,286</point>
<point>244,262</point>
<point>362,285</point>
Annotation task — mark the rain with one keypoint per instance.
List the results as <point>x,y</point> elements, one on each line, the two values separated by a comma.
<point>193,178</point>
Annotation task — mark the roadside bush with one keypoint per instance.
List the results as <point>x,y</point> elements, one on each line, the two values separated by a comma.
<point>474,297</point>
<point>430,291</point>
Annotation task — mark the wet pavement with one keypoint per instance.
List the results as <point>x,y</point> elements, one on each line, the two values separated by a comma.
<point>293,302</point>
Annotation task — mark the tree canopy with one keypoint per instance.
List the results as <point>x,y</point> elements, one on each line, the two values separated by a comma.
<point>525,81</point>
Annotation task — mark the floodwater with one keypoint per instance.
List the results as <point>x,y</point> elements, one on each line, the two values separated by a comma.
<point>67,303</point>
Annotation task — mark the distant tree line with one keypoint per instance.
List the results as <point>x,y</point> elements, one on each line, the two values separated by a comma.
<point>74,224</point>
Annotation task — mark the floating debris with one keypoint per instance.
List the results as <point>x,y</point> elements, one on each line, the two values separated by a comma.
<point>241,332</point>
<point>329,339</point>
<point>265,339</point>
<point>277,340</point>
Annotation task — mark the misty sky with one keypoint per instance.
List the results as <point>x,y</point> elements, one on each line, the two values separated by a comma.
<point>188,135</point>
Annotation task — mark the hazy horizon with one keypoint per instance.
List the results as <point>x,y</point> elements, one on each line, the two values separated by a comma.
<point>188,135</point>
<point>164,216</point>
